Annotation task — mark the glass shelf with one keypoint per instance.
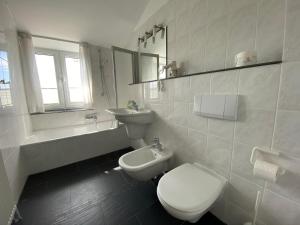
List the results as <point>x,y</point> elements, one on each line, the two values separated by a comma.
<point>215,71</point>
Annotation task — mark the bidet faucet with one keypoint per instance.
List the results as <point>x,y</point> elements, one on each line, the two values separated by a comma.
<point>156,144</point>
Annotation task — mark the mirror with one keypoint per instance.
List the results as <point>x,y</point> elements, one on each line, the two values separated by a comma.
<point>149,67</point>
<point>148,64</point>
<point>153,55</point>
<point>125,72</point>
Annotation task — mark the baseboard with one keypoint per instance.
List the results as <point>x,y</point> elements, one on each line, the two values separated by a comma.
<point>11,217</point>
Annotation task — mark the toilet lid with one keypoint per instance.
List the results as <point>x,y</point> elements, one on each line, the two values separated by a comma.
<point>189,188</point>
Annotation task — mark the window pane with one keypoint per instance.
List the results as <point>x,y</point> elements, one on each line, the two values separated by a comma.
<point>73,72</point>
<point>50,96</point>
<point>74,79</point>
<point>46,70</point>
<point>76,94</point>
<point>5,95</point>
<point>47,76</point>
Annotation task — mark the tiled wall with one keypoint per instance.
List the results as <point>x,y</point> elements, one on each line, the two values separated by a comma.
<point>206,34</point>
<point>14,120</point>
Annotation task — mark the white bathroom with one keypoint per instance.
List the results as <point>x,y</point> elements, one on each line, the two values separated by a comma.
<point>150,112</point>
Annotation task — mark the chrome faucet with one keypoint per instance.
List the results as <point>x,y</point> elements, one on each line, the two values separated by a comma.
<point>156,144</point>
<point>91,116</point>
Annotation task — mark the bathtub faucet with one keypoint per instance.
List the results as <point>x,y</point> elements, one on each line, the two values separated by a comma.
<point>91,116</point>
<point>156,144</point>
<point>132,105</point>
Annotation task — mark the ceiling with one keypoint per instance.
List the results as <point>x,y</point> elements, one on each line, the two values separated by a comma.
<point>99,22</point>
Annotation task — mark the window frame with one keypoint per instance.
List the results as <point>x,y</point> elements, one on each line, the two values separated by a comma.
<point>7,108</point>
<point>61,80</point>
<point>68,103</point>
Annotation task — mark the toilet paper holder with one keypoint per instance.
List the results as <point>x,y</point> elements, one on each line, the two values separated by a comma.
<point>264,150</point>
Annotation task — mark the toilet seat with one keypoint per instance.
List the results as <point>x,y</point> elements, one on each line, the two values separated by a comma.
<point>189,189</point>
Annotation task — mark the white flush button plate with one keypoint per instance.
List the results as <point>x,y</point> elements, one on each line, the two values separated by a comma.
<point>216,106</point>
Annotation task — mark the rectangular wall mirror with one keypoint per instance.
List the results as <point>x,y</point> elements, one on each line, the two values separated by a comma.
<point>125,72</point>
<point>146,64</point>
<point>153,56</point>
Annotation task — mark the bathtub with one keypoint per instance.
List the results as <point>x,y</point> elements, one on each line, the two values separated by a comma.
<point>52,148</point>
<point>69,131</point>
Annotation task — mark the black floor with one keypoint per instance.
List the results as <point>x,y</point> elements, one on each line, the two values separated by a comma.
<point>93,192</point>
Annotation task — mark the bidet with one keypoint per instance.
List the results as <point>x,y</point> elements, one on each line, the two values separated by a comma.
<point>145,163</point>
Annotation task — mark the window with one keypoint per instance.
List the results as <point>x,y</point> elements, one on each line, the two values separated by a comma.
<point>60,79</point>
<point>47,75</point>
<point>5,94</point>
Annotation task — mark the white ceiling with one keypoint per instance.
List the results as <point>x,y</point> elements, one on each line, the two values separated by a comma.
<point>100,22</point>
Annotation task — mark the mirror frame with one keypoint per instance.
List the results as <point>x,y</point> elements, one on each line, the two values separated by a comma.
<point>134,58</point>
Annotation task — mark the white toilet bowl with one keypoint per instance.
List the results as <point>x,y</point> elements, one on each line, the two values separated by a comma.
<point>188,191</point>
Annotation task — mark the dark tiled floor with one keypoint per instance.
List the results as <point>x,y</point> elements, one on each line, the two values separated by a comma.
<point>94,192</point>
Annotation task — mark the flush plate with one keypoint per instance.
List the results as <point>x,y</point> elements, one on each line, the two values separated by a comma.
<point>216,106</point>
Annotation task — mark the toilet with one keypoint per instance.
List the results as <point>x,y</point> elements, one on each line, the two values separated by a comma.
<point>188,191</point>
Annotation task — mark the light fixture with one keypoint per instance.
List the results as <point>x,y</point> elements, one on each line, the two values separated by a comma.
<point>154,31</point>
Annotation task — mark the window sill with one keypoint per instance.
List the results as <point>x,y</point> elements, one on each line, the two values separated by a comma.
<point>62,111</point>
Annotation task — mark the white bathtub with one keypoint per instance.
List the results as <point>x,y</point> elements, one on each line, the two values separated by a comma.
<point>52,148</point>
<point>70,131</point>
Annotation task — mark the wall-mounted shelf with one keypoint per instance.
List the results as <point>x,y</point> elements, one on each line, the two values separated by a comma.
<point>216,71</point>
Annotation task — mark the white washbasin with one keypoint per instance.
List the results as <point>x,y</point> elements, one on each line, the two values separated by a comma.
<point>145,163</point>
<point>124,115</point>
<point>136,123</point>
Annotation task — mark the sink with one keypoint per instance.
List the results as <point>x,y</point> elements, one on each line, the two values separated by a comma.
<point>136,123</point>
<point>145,163</point>
<point>124,115</point>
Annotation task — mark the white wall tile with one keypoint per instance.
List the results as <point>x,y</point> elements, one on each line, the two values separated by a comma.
<point>172,50</point>
<point>289,91</point>
<point>218,154</point>
<point>236,215</point>
<point>287,132</point>
<point>182,24</point>
<point>195,121</point>
<point>224,83</point>
<point>215,51</point>
<point>255,127</point>
<point>182,50</point>
<point>288,185</point>
<point>200,85</point>
<point>243,193</point>
<point>258,87</point>
<point>217,9</point>
<point>236,5</point>
<point>182,89</point>
<point>221,128</point>
<point>241,162</point>
<point>276,210</point>
<point>196,53</point>
<point>180,6</point>
<point>242,32</point>
<point>270,30</point>
<point>179,115</point>
<point>196,145</point>
<point>219,209</point>
<point>198,14</point>
<point>171,31</point>
<point>196,61</point>
<point>292,37</point>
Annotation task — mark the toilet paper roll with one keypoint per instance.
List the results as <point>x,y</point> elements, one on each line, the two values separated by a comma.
<point>265,170</point>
